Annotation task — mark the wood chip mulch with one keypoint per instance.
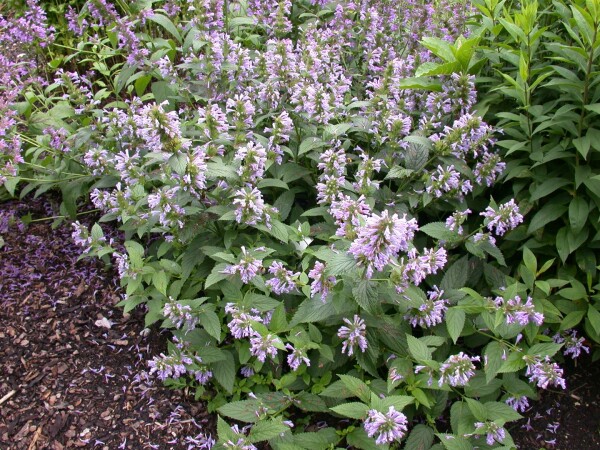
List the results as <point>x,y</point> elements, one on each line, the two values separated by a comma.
<point>66,380</point>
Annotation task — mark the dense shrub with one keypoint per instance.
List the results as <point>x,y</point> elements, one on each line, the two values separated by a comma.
<point>304,192</point>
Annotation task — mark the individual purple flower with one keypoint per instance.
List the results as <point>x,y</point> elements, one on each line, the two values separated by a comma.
<point>283,280</point>
<point>364,173</point>
<point>488,169</point>
<point>457,370</point>
<point>506,217</point>
<point>431,312</point>
<point>247,371</point>
<point>348,214</point>
<point>247,268</point>
<point>493,431</point>
<point>297,357</point>
<point>264,346</point>
<point>251,208</point>
<point>202,375</point>
<point>254,160</point>
<point>456,220</point>
<point>242,320</point>
<point>443,181</point>
<point>381,239</point>
<point>519,404</point>
<point>518,312</point>
<point>172,366</point>
<point>354,335</point>
<point>386,428</point>
<point>181,315</point>
<point>321,282</point>
<point>573,345</point>
<point>543,372</point>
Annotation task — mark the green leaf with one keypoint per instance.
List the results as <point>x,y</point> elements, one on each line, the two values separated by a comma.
<point>267,429</point>
<point>337,389</point>
<point>224,372</point>
<point>178,163</point>
<point>452,442</point>
<point>310,143</point>
<point>418,349</point>
<point>365,293</point>
<point>578,213</point>
<point>160,280</point>
<point>529,260</point>
<point>166,23</point>
<point>420,438</point>
<point>358,439</point>
<point>498,410</point>
<point>438,230</point>
<point>493,360</point>
<point>319,440</point>
<point>354,410</point>
<point>244,411</point>
<point>310,402</point>
<point>477,409</point>
<point>571,320</point>
<point>513,363</point>
<point>136,254</point>
<point>216,275</point>
<point>415,156</point>
<point>594,318</point>
<point>211,323</point>
<point>272,182</point>
<point>455,322</point>
<point>357,387</point>
<point>457,275</point>
<point>549,213</point>
<point>333,131</point>
<point>547,187</point>
<point>340,264</point>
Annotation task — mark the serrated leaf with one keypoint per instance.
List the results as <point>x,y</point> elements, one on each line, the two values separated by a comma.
<point>341,263</point>
<point>224,372</point>
<point>211,323</point>
<point>439,230</point>
<point>418,349</point>
<point>216,275</point>
<point>452,442</point>
<point>267,429</point>
<point>502,411</point>
<point>310,143</point>
<point>357,387</point>
<point>416,156</point>
<point>354,410</point>
<point>358,439</point>
<point>455,322</point>
<point>244,410</point>
<point>493,360</point>
<point>456,275</point>
<point>366,295</point>
<point>420,438</point>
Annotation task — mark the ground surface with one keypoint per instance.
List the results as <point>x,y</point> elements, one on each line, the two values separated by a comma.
<point>68,382</point>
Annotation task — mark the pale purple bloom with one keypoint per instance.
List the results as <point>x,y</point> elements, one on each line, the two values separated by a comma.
<point>172,366</point>
<point>254,159</point>
<point>251,208</point>
<point>181,315</point>
<point>264,346</point>
<point>573,344</point>
<point>444,180</point>
<point>297,357</point>
<point>328,188</point>
<point>431,312</point>
<point>386,428</point>
<point>518,312</point>
<point>457,370</point>
<point>494,432</point>
<point>488,169</point>
<point>348,214</point>
<point>354,335</point>
<point>507,217</point>
<point>247,268</point>
<point>456,220</point>
<point>518,403</point>
<point>283,280</point>
<point>321,282</point>
<point>363,175</point>
<point>202,375</point>
<point>543,372</point>
<point>247,371</point>
<point>242,320</point>
<point>333,161</point>
<point>381,239</point>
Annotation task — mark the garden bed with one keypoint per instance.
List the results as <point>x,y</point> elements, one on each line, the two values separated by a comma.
<point>70,383</point>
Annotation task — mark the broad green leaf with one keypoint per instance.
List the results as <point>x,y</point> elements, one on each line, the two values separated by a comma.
<point>357,387</point>
<point>501,411</point>
<point>418,349</point>
<point>354,410</point>
<point>547,187</point>
<point>439,230</point>
<point>244,411</point>
<point>549,213</point>
<point>267,429</point>
<point>594,318</point>
<point>455,322</point>
<point>310,143</point>
<point>166,23</point>
<point>420,438</point>
<point>578,213</point>
<point>493,357</point>
<point>342,263</point>
<point>224,372</point>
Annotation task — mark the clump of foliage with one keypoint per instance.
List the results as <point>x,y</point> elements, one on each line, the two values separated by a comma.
<point>305,194</point>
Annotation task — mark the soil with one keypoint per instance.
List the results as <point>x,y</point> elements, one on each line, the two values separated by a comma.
<point>66,380</point>
<point>69,381</point>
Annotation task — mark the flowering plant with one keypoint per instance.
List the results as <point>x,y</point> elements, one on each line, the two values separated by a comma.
<point>305,210</point>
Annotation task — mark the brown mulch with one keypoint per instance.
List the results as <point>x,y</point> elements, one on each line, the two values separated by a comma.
<point>68,382</point>
<point>65,380</point>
